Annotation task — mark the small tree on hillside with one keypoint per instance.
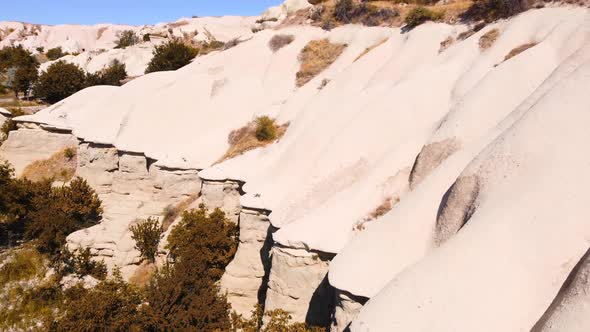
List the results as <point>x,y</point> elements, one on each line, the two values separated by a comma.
<point>126,38</point>
<point>171,56</point>
<point>147,235</point>
<point>111,75</point>
<point>18,69</point>
<point>60,81</point>
<point>55,53</point>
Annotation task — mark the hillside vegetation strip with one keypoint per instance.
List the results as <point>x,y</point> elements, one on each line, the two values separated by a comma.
<point>316,57</point>
<point>61,166</point>
<point>258,133</point>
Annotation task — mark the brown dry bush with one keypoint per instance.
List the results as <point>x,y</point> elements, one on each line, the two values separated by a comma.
<point>517,50</point>
<point>279,41</point>
<point>61,166</point>
<point>315,57</point>
<point>488,39</point>
<point>370,48</point>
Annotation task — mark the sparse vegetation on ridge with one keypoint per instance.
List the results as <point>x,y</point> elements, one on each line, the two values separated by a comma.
<point>279,41</point>
<point>421,15</point>
<point>517,50</point>
<point>61,166</point>
<point>488,39</point>
<point>258,133</point>
<point>315,57</point>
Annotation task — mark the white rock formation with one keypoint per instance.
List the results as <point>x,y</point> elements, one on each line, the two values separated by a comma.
<point>485,156</point>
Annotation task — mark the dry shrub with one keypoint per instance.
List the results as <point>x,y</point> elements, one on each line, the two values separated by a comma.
<point>385,206</point>
<point>446,44</point>
<point>279,41</point>
<point>59,167</point>
<point>172,212</point>
<point>488,39</point>
<point>370,48</point>
<point>517,50</point>
<point>100,32</point>
<point>491,10</point>
<point>315,57</point>
<point>177,24</point>
<point>244,139</point>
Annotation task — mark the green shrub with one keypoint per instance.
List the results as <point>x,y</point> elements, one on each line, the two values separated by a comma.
<point>147,235</point>
<point>60,211</point>
<point>111,75</point>
<point>18,69</point>
<point>185,296</point>
<point>211,237</point>
<point>60,81</point>
<point>126,38</point>
<point>265,129</point>
<point>112,305</point>
<point>69,153</point>
<point>79,262</point>
<point>40,49</point>
<point>171,56</point>
<point>491,10</point>
<point>420,15</point>
<point>55,53</point>
<point>146,37</point>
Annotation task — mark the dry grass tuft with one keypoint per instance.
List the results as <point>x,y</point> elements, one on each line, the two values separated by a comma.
<point>143,275</point>
<point>172,212</point>
<point>370,48</point>
<point>59,167</point>
<point>244,139</point>
<point>279,41</point>
<point>488,39</point>
<point>517,50</point>
<point>100,32</point>
<point>386,205</point>
<point>315,57</point>
<point>446,44</point>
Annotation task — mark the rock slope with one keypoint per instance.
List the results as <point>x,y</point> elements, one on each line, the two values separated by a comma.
<point>479,158</point>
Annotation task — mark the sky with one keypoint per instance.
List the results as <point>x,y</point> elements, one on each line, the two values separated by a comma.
<point>134,12</point>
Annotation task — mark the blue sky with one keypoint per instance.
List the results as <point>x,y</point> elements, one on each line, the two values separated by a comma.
<point>134,12</point>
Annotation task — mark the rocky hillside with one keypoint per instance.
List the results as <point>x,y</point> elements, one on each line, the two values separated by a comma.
<point>424,179</point>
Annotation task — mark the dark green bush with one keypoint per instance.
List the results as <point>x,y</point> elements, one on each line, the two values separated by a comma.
<point>420,15</point>
<point>79,262</point>
<point>18,69</point>
<point>146,37</point>
<point>491,10</point>
<point>55,53</point>
<point>147,235</point>
<point>60,81</point>
<point>111,75</point>
<point>265,129</point>
<point>126,38</point>
<point>60,211</point>
<point>171,56</point>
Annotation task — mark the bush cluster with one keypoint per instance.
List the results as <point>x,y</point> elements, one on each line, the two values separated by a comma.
<point>171,56</point>
<point>126,38</point>
<point>63,79</point>
<point>491,10</point>
<point>46,215</point>
<point>420,15</point>
<point>18,69</point>
<point>347,11</point>
<point>55,53</point>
